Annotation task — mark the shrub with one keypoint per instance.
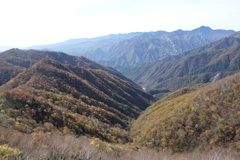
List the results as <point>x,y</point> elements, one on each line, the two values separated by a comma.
<point>7,152</point>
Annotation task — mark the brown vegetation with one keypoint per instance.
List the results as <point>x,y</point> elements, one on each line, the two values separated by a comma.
<point>56,146</point>
<point>52,96</point>
<point>208,117</point>
<point>50,110</point>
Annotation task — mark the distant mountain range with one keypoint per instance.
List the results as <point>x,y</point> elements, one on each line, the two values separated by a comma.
<point>85,46</point>
<point>195,75</point>
<point>84,98</point>
<point>151,47</point>
<point>128,50</point>
<point>208,63</point>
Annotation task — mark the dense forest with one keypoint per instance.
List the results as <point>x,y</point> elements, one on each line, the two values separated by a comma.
<point>191,117</point>
<point>68,98</point>
<point>55,106</point>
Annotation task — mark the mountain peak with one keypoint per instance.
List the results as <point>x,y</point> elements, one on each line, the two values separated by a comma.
<point>179,31</point>
<point>203,29</point>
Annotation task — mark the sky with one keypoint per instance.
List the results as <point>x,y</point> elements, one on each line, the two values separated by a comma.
<point>37,22</point>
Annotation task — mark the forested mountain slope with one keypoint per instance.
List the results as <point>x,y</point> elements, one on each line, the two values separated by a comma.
<point>191,117</point>
<point>78,100</point>
<point>8,71</point>
<point>27,58</point>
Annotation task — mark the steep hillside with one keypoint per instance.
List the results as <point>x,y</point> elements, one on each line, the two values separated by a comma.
<point>204,117</point>
<point>136,51</point>
<point>201,65</point>
<point>54,96</point>
<point>26,58</point>
<point>152,46</point>
<point>8,71</point>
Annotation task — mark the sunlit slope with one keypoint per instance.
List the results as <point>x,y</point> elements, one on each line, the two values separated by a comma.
<point>185,119</point>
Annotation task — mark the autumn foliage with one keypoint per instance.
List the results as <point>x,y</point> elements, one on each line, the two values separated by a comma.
<point>50,96</point>
<point>207,117</point>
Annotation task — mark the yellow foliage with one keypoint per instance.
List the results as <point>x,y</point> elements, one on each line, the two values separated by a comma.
<point>109,148</point>
<point>7,152</point>
<point>95,144</point>
<point>209,115</point>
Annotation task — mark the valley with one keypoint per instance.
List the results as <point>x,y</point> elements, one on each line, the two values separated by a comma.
<point>123,51</point>
<point>141,95</point>
<point>191,67</point>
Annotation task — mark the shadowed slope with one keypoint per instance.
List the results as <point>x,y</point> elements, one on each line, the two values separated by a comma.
<point>218,59</point>
<point>26,58</point>
<point>84,101</point>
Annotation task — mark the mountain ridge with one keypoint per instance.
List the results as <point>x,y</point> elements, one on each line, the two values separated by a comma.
<point>221,56</point>
<point>83,101</point>
<point>49,98</point>
<point>152,46</point>
<point>122,51</point>
<point>26,58</point>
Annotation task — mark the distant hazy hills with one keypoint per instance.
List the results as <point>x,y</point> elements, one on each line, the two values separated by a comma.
<point>127,50</point>
<point>41,94</point>
<point>140,50</point>
<point>87,46</point>
<point>53,92</point>
<point>150,47</point>
<point>208,63</point>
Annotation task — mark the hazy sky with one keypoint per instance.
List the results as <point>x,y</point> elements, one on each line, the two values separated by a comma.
<point>32,22</point>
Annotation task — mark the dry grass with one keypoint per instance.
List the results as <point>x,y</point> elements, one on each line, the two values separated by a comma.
<point>43,146</point>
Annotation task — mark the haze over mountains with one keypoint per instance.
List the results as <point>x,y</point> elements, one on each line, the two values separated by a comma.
<point>205,64</point>
<point>4,48</point>
<point>81,46</point>
<point>128,50</point>
<point>182,94</point>
<point>139,55</point>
